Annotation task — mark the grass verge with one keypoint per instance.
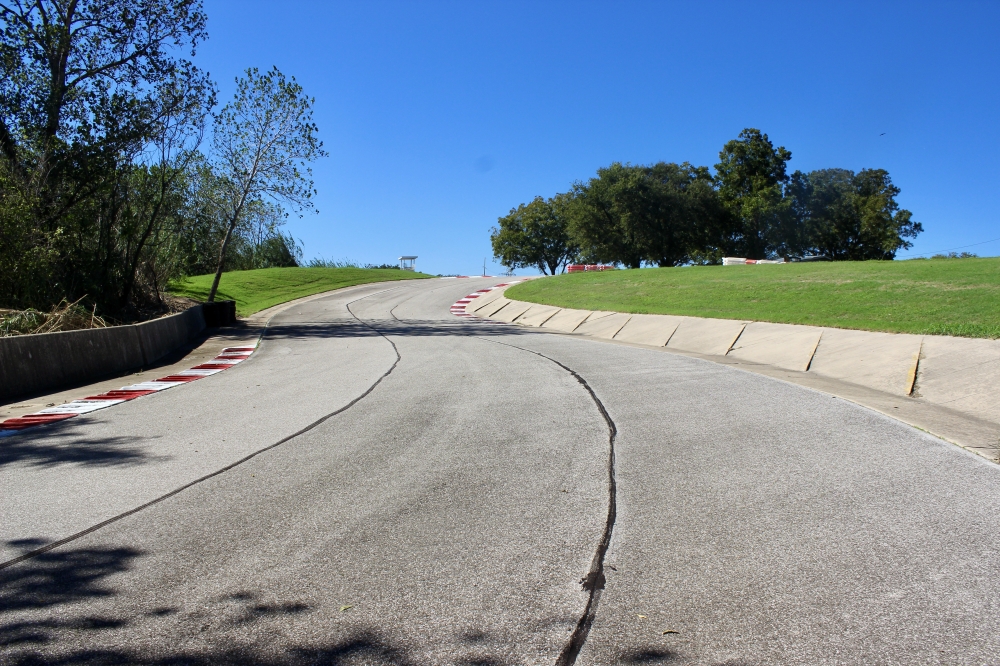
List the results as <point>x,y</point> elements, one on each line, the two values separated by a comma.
<point>259,289</point>
<point>937,296</point>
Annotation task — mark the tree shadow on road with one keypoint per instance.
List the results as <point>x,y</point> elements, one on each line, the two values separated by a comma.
<point>648,655</point>
<point>367,647</point>
<point>55,578</point>
<point>392,327</point>
<point>63,443</point>
<point>38,625</point>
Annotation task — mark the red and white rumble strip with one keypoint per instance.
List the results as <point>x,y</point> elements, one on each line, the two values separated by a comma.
<point>458,308</point>
<point>226,359</point>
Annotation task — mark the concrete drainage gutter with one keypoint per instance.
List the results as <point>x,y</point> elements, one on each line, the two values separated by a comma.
<point>945,385</point>
<point>38,363</point>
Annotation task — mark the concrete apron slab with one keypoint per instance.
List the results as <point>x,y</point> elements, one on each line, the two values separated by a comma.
<point>566,320</point>
<point>781,345</point>
<point>489,308</point>
<point>960,373</point>
<point>943,385</point>
<point>605,326</point>
<point>511,311</point>
<point>484,300</point>
<point>882,361</point>
<point>706,336</point>
<point>536,315</point>
<point>651,330</point>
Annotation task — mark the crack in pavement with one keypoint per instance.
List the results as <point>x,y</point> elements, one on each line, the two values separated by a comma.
<point>595,579</point>
<point>73,537</point>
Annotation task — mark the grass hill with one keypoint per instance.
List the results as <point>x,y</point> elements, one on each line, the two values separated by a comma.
<point>931,296</point>
<point>259,289</point>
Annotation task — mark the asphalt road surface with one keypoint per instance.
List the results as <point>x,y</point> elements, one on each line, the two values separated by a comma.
<point>428,490</point>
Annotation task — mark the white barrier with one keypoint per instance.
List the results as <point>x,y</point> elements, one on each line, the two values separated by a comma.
<point>741,261</point>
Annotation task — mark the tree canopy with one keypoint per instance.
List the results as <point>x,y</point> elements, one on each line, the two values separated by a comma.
<point>750,175</point>
<point>656,214</point>
<point>843,215</point>
<point>536,234</point>
<point>669,214</point>
<point>106,193</point>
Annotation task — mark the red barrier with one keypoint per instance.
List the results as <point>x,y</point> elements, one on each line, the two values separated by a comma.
<point>180,378</point>
<point>22,422</point>
<point>579,268</point>
<point>119,395</point>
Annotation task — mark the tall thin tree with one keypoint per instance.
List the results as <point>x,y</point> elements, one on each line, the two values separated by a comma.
<point>263,141</point>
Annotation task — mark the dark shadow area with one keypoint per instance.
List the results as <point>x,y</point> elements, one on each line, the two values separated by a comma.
<point>35,447</point>
<point>368,647</point>
<point>407,328</point>
<point>648,655</point>
<point>40,631</point>
<point>253,612</point>
<point>54,578</point>
<point>474,637</point>
<point>60,576</point>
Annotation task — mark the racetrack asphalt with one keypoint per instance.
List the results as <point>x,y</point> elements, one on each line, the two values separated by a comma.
<point>430,490</point>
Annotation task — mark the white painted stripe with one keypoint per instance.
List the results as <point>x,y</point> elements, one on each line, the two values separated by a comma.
<point>150,386</point>
<point>80,407</point>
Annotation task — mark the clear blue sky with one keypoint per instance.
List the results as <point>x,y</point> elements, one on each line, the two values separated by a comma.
<point>441,116</point>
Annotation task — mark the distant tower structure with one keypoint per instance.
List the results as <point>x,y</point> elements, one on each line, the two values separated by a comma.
<point>408,263</point>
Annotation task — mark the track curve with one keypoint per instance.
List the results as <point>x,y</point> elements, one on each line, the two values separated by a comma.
<point>437,499</point>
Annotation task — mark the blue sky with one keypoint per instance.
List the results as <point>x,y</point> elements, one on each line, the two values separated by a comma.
<point>440,117</point>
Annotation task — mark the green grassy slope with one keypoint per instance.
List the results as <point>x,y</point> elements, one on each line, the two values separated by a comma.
<point>256,290</point>
<point>938,296</point>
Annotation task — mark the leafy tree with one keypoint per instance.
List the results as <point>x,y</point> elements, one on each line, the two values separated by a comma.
<point>96,109</point>
<point>848,216</point>
<point>27,253</point>
<point>263,140</point>
<point>85,80</point>
<point>689,218</point>
<point>158,194</point>
<point>884,226</point>
<point>536,234</point>
<point>658,214</point>
<point>750,175</point>
<point>259,241</point>
<point>615,215</point>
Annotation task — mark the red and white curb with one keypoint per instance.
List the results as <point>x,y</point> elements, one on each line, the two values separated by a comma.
<point>458,307</point>
<point>226,359</point>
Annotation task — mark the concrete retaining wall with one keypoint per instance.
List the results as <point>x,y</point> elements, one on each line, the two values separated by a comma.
<point>36,363</point>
